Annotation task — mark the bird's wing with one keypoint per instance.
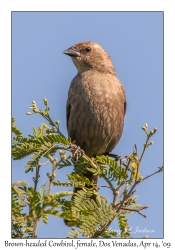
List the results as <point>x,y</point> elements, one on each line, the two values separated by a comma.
<point>124,107</point>
<point>72,94</point>
<point>123,97</point>
<point>68,108</point>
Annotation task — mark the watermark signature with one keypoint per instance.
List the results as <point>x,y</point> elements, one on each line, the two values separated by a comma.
<point>134,230</point>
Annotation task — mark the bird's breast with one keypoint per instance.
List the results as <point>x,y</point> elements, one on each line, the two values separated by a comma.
<point>97,111</point>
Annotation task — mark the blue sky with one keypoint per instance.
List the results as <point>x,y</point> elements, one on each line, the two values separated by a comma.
<point>134,41</point>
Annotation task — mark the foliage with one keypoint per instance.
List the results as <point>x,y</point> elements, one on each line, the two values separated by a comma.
<point>88,211</point>
<point>22,226</point>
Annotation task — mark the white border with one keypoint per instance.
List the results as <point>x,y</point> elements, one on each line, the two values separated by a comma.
<point>5,93</point>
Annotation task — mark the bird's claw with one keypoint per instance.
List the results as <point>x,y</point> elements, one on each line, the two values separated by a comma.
<point>117,158</point>
<point>77,152</point>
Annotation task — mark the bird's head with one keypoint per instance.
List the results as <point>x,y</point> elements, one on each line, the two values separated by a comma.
<point>90,55</point>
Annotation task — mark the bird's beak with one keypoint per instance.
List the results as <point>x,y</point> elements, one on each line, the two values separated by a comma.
<point>72,52</point>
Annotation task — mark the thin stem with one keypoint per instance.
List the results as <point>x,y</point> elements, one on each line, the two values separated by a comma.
<point>127,166</point>
<point>118,206</point>
<point>35,227</point>
<point>138,167</point>
<point>35,181</point>
<point>37,173</point>
<point>116,195</point>
<point>152,174</point>
<point>85,157</point>
<point>47,117</point>
<point>104,187</point>
<point>103,228</point>
<point>50,187</point>
<point>136,210</point>
<point>99,232</point>
<point>53,174</point>
<point>36,176</point>
<point>110,184</point>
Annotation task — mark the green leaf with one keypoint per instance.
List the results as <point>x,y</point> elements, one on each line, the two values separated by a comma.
<point>123,225</point>
<point>15,129</point>
<point>113,172</point>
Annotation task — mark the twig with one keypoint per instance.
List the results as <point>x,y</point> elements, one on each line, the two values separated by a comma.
<point>138,167</point>
<point>125,200</point>
<point>103,228</point>
<point>116,195</point>
<point>103,187</point>
<point>45,163</point>
<point>37,173</point>
<point>110,184</point>
<point>35,179</point>
<point>136,210</point>
<point>118,206</point>
<point>54,163</point>
<point>35,227</point>
<point>85,157</point>
<point>152,174</point>
<point>127,166</point>
<point>47,117</point>
<point>36,176</point>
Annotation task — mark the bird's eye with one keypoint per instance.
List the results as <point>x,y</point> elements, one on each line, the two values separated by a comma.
<point>88,49</point>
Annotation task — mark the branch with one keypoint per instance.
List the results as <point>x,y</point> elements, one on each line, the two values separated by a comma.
<point>118,206</point>
<point>116,195</point>
<point>37,173</point>
<point>54,166</point>
<point>35,227</point>
<point>85,157</point>
<point>47,117</point>
<point>103,187</point>
<point>149,135</point>
<point>103,228</point>
<point>136,210</point>
<point>45,114</point>
<point>110,184</point>
<point>144,149</point>
<point>36,176</point>
<point>127,165</point>
<point>160,170</point>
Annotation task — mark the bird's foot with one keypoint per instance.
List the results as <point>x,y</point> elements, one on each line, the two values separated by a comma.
<point>118,158</point>
<point>77,152</point>
<point>115,156</point>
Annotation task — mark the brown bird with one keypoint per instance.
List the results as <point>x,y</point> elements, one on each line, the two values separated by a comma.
<point>96,101</point>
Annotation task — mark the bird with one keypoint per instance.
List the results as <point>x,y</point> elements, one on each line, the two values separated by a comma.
<point>96,103</point>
